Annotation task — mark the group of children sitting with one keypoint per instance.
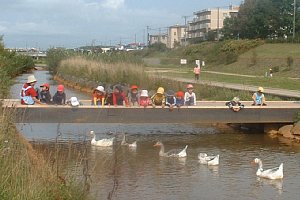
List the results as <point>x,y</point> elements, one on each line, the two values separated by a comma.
<point>117,96</point>
<point>59,97</point>
<point>136,97</point>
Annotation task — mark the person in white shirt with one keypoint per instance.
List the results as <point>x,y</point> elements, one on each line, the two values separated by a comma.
<point>189,96</point>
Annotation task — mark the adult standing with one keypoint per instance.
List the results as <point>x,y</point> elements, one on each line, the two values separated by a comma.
<point>28,93</point>
<point>197,72</point>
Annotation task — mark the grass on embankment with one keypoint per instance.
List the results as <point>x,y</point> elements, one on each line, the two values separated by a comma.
<point>257,61</point>
<point>275,82</point>
<point>24,173</point>
<point>284,59</point>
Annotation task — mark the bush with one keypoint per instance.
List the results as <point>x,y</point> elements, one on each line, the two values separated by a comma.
<point>158,46</point>
<point>223,52</point>
<point>54,57</point>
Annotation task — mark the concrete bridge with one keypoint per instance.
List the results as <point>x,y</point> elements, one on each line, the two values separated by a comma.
<point>35,55</point>
<point>206,112</point>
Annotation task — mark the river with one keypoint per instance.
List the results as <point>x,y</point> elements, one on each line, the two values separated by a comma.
<point>121,173</point>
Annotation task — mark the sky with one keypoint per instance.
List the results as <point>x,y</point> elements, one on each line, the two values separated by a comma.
<point>73,23</point>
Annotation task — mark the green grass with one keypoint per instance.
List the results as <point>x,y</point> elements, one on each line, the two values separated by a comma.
<point>267,56</point>
<point>256,62</point>
<point>275,82</point>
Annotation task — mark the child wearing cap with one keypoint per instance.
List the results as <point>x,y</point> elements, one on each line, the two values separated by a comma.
<point>133,96</point>
<point>190,96</point>
<point>235,104</point>
<point>159,98</point>
<point>259,98</point>
<point>144,99</point>
<point>118,96</point>
<point>28,93</point>
<point>59,97</point>
<point>98,96</point>
<point>179,99</point>
<point>170,99</point>
<point>45,95</point>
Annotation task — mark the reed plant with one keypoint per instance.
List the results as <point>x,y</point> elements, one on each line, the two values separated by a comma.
<point>25,174</point>
<point>98,71</point>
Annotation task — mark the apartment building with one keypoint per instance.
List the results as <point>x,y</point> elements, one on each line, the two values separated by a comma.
<point>209,20</point>
<point>163,38</point>
<point>176,35</point>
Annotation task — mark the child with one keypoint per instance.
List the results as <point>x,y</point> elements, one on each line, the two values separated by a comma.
<point>133,96</point>
<point>189,96</point>
<point>45,95</point>
<point>144,99</point>
<point>259,98</point>
<point>235,104</point>
<point>170,99</point>
<point>98,96</point>
<point>28,94</point>
<point>109,97</point>
<point>60,97</point>
<point>179,99</point>
<point>119,97</point>
<point>158,99</point>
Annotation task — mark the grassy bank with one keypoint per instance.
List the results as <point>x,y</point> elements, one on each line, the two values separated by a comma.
<point>26,174</point>
<point>239,58</point>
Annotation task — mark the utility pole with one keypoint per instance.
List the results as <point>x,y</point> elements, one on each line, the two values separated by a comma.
<point>147,35</point>
<point>185,20</point>
<point>159,33</point>
<point>294,20</point>
<point>143,36</point>
<point>218,24</point>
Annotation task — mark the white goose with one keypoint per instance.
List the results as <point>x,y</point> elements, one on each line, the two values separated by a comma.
<point>274,173</point>
<point>103,142</point>
<point>179,153</point>
<point>209,160</point>
<point>124,143</point>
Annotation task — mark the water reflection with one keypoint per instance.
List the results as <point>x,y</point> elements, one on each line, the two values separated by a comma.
<point>276,184</point>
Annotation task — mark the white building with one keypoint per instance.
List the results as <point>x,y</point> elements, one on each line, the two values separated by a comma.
<point>209,20</point>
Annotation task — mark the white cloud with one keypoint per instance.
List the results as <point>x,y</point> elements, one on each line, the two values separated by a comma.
<point>113,4</point>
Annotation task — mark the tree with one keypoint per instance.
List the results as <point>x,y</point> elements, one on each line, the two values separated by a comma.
<point>262,19</point>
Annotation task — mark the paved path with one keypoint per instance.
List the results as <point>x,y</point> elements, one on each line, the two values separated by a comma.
<point>252,88</point>
<point>241,75</point>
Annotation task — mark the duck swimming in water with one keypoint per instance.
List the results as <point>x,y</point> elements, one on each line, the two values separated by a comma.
<point>209,160</point>
<point>178,153</point>
<point>274,173</point>
<point>106,142</point>
<point>124,143</point>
